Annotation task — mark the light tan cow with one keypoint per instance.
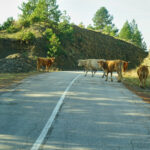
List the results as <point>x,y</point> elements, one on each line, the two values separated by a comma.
<point>90,65</point>
<point>46,62</point>
<point>111,66</point>
<point>142,74</point>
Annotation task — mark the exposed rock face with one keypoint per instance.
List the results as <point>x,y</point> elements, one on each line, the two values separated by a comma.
<point>17,63</point>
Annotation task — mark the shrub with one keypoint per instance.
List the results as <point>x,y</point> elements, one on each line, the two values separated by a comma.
<point>65,31</point>
<point>12,29</point>
<point>53,43</point>
<point>7,23</point>
<point>27,37</point>
<point>24,23</point>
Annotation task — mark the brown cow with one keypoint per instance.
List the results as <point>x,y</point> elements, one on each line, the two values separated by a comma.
<point>142,74</point>
<point>110,66</point>
<point>46,62</point>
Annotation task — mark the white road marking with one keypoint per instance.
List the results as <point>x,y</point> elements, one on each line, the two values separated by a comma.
<point>48,125</point>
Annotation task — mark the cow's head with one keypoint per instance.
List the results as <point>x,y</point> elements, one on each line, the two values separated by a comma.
<point>101,63</point>
<point>52,59</point>
<point>125,65</point>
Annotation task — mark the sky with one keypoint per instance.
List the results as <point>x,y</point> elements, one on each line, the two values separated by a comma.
<point>84,10</point>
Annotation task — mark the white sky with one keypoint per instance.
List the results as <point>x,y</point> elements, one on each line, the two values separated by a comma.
<point>84,10</point>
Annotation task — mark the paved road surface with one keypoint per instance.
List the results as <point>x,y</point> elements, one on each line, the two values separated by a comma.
<point>95,115</point>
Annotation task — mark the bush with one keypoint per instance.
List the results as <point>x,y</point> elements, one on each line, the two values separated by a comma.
<point>24,23</point>
<point>7,23</point>
<point>54,43</point>
<point>27,37</point>
<point>65,31</point>
<point>12,29</point>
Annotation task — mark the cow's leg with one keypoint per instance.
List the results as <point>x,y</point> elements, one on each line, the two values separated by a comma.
<point>38,65</point>
<point>94,71</point>
<point>144,82</point>
<point>86,71</point>
<point>103,74</point>
<point>119,76</point>
<point>106,77</point>
<point>47,68</point>
<point>141,82</point>
<point>111,77</point>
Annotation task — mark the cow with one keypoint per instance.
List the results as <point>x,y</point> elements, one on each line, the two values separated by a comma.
<point>90,65</point>
<point>142,73</point>
<point>110,66</point>
<point>46,62</point>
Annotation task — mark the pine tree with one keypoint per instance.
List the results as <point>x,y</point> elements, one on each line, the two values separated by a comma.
<point>40,10</point>
<point>102,18</point>
<point>126,32</point>
<point>130,32</point>
<point>103,21</point>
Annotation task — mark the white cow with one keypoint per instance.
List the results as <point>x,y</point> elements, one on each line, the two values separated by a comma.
<point>90,65</point>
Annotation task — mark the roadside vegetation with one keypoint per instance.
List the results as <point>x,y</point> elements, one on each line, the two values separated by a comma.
<point>132,82</point>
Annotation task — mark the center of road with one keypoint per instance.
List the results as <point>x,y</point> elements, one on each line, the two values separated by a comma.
<point>48,125</point>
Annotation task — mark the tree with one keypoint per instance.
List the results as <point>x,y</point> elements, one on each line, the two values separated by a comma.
<point>103,22</point>
<point>102,18</point>
<point>125,32</point>
<point>40,10</point>
<point>90,27</point>
<point>136,34</point>
<point>9,22</point>
<point>81,25</point>
<point>130,32</point>
<point>111,30</point>
<point>28,8</point>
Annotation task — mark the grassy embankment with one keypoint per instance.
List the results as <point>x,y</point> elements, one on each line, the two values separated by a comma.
<point>131,81</point>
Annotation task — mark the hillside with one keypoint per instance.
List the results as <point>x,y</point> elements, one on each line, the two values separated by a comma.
<point>84,44</point>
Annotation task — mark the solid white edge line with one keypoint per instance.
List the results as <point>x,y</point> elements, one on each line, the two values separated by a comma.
<point>48,125</point>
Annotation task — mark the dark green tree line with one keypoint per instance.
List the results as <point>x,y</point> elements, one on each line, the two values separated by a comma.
<point>130,32</point>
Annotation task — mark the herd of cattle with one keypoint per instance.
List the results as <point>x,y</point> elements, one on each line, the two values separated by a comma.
<point>107,66</point>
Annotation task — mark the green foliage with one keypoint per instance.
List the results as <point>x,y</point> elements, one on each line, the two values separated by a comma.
<point>53,43</point>
<point>81,25</point>
<point>103,21</point>
<point>26,36</point>
<point>110,30</point>
<point>125,32</point>
<point>28,8</point>
<point>40,10</point>
<point>24,22</point>
<point>9,22</point>
<point>64,17</point>
<point>12,29</point>
<point>130,32</point>
<point>102,18</point>
<point>90,27</point>
<point>65,31</point>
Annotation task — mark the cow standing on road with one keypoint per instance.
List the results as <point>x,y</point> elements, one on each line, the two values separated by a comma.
<point>110,66</point>
<point>142,74</point>
<point>90,65</point>
<point>46,62</point>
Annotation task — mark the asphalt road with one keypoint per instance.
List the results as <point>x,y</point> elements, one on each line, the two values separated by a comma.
<point>95,115</point>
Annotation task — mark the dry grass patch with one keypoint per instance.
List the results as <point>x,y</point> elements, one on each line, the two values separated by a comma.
<point>8,79</point>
